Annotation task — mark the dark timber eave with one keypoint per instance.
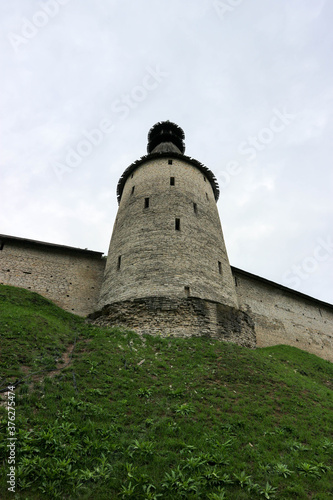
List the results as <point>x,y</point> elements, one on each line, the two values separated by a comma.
<point>156,156</point>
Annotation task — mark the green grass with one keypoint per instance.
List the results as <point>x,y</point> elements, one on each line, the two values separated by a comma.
<point>158,418</point>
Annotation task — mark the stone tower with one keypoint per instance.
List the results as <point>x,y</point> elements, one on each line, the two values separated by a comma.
<point>167,268</point>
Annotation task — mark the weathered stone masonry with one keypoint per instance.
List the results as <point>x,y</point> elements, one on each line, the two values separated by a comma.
<point>284,316</point>
<point>183,317</point>
<point>167,270</point>
<point>68,276</point>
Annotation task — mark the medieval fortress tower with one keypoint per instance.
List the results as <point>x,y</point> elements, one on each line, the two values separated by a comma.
<point>167,270</point>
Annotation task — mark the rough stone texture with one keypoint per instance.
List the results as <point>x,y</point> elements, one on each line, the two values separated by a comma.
<point>70,277</point>
<point>283,316</point>
<point>182,317</point>
<point>164,279</point>
<point>280,315</point>
<point>156,259</point>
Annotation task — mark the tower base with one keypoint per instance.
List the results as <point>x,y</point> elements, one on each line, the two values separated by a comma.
<point>180,317</point>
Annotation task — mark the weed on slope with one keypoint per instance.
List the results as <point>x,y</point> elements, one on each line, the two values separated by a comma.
<point>105,413</point>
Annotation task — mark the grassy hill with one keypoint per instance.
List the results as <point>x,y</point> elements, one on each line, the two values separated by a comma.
<point>105,413</point>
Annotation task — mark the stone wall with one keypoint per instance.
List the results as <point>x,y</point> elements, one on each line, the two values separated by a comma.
<point>269,314</point>
<point>182,317</point>
<point>284,316</point>
<point>68,276</point>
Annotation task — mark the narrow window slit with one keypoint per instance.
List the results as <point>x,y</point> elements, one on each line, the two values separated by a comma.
<point>195,208</point>
<point>146,202</point>
<point>177,224</point>
<point>220,267</point>
<point>169,162</point>
<point>187,291</point>
<point>119,262</point>
<point>133,187</point>
<point>172,181</point>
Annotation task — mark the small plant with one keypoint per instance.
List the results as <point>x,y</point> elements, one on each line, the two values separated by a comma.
<point>141,447</point>
<point>172,480</point>
<point>328,446</point>
<point>252,487</point>
<point>87,475</point>
<point>127,490</point>
<point>295,446</point>
<point>50,489</point>
<point>104,469</point>
<point>188,448</point>
<point>282,470</point>
<point>144,393</point>
<point>323,467</point>
<point>173,428</point>
<point>306,469</point>
<point>268,491</point>
<point>130,469</point>
<point>93,366</point>
<point>220,495</point>
<point>177,482</point>
<point>216,459</point>
<point>265,467</point>
<point>195,462</point>
<point>149,491</point>
<point>184,409</point>
<point>226,479</point>
<point>242,478</point>
<point>211,475</point>
<point>24,483</point>
<point>176,393</point>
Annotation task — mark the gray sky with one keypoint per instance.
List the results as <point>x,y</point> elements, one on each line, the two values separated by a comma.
<point>249,81</point>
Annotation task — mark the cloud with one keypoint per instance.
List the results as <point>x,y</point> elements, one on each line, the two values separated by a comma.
<point>225,78</point>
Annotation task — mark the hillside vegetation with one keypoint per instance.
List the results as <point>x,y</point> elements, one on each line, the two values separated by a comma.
<point>105,413</point>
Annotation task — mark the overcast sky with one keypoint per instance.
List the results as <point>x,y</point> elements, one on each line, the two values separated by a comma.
<point>250,82</point>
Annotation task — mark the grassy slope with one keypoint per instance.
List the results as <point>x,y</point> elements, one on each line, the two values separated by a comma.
<point>146,418</point>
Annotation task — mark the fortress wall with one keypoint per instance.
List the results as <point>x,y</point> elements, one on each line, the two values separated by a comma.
<point>70,277</point>
<point>283,316</point>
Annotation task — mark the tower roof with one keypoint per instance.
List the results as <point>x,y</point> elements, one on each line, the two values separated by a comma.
<point>164,137</point>
<point>166,140</point>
